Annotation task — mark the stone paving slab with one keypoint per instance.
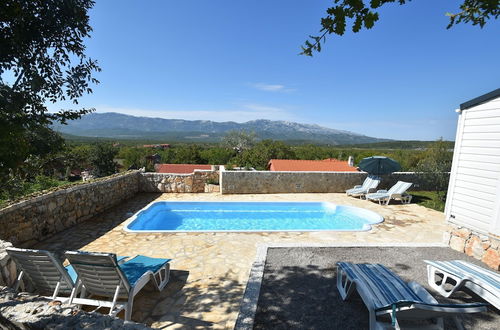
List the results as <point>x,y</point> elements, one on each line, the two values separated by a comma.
<point>210,270</point>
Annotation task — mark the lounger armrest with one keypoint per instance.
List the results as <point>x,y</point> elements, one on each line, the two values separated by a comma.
<point>422,293</point>
<point>358,186</point>
<point>381,191</point>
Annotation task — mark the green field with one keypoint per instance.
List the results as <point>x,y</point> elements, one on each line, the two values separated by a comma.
<point>428,199</point>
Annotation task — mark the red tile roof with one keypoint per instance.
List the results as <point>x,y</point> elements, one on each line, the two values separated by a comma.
<point>180,168</point>
<point>326,165</point>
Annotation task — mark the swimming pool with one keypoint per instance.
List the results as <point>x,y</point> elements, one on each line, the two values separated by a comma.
<point>250,217</point>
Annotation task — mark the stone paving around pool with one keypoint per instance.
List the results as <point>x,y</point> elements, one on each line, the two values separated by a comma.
<point>210,270</point>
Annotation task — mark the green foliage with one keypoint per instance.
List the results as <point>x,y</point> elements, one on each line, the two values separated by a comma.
<point>212,181</point>
<point>136,158</point>
<point>430,199</point>
<point>217,155</point>
<point>21,188</point>
<point>361,14</point>
<point>101,158</point>
<point>42,48</point>
<point>434,167</point>
<point>258,156</point>
<point>239,140</point>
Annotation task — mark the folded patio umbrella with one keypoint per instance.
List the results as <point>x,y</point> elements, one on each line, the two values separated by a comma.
<point>379,165</point>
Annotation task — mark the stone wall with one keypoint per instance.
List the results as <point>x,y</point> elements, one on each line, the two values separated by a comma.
<point>267,182</point>
<point>8,271</point>
<point>482,247</point>
<point>26,222</point>
<point>28,311</point>
<point>177,183</point>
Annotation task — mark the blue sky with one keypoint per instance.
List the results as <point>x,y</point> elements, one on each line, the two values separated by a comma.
<point>238,60</point>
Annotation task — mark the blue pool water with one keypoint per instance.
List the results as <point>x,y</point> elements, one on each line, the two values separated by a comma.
<point>250,216</point>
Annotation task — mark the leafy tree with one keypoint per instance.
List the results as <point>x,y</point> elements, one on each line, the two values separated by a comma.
<point>102,159</point>
<point>363,14</point>
<point>239,140</point>
<point>135,157</point>
<point>435,167</point>
<point>259,156</point>
<point>42,60</point>
<point>217,155</point>
<point>188,155</point>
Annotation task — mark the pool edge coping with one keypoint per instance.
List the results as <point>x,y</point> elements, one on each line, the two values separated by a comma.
<point>249,302</point>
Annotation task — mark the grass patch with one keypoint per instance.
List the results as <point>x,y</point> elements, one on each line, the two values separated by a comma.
<point>428,199</point>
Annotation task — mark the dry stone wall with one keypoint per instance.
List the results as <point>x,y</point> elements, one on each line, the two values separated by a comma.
<point>32,220</point>
<point>177,183</point>
<point>268,182</point>
<point>482,247</point>
<point>8,272</point>
<point>28,311</point>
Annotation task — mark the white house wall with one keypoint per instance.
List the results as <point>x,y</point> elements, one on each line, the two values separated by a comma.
<point>473,195</point>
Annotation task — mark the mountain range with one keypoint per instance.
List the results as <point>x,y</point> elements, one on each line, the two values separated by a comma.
<point>121,126</point>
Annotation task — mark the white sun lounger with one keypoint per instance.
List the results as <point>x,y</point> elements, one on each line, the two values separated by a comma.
<point>49,277</point>
<point>398,191</point>
<point>448,277</point>
<point>370,184</point>
<point>102,276</point>
<point>47,274</point>
<point>389,299</point>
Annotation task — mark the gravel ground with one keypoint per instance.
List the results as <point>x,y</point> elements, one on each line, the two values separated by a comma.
<point>299,287</point>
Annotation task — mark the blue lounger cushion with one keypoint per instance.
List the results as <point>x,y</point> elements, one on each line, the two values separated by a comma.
<point>137,266</point>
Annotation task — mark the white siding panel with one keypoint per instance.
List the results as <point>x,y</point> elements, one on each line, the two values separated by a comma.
<point>466,212</point>
<point>474,186</point>
<point>482,136</point>
<point>474,172</point>
<point>481,143</point>
<point>490,182</point>
<point>480,158</point>
<point>482,121</point>
<point>469,222</point>
<point>490,113</point>
<point>491,104</point>
<point>480,151</point>
<point>480,196</point>
<point>466,199</point>
<point>479,164</point>
<point>482,128</point>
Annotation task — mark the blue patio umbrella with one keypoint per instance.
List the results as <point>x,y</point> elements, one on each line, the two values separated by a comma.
<point>379,165</point>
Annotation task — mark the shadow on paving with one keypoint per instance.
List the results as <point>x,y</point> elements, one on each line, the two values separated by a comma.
<point>88,231</point>
<point>195,300</point>
<point>299,287</point>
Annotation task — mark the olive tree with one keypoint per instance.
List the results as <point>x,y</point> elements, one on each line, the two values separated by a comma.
<point>359,14</point>
<point>42,61</point>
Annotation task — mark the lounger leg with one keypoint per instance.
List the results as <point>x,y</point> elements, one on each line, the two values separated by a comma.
<point>74,292</point>
<point>432,272</point>
<point>18,280</point>
<point>130,305</point>
<point>162,277</point>
<point>115,298</point>
<point>56,290</point>
<point>344,284</point>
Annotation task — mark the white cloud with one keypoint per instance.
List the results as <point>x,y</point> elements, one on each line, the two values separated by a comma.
<point>271,87</point>
<point>240,114</point>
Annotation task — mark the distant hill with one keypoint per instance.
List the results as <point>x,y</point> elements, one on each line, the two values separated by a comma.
<point>120,126</point>
<point>397,145</point>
